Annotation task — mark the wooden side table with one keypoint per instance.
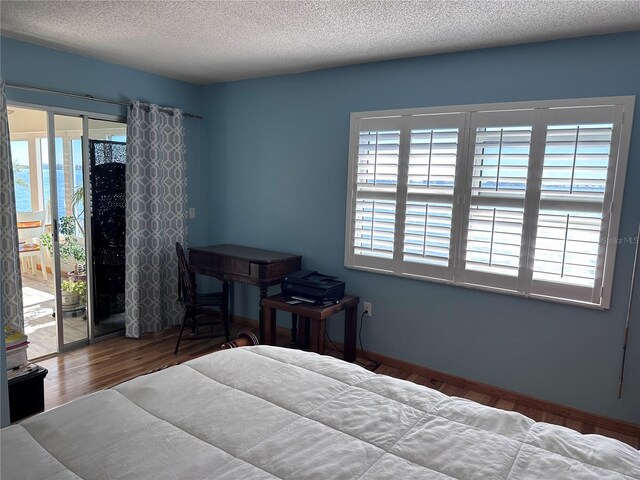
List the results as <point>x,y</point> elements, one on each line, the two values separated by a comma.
<point>317,316</point>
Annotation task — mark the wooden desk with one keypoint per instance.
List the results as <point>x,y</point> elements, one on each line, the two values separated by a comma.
<point>251,266</point>
<point>317,316</point>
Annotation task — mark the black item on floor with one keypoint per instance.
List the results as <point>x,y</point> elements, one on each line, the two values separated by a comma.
<point>314,287</point>
<point>26,394</point>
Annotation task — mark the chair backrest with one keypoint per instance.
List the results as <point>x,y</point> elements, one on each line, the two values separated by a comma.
<point>30,225</point>
<point>186,288</point>
<point>47,213</point>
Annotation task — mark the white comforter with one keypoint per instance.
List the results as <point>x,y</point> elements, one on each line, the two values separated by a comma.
<point>265,412</point>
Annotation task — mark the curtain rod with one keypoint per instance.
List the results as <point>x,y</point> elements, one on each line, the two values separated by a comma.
<point>89,97</point>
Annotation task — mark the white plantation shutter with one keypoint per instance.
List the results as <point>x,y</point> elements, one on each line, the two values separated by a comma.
<point>376,188</point>
<point>434,149</point>
<point>523,197</point>
<point>498,172</point>
<point>573,219</point>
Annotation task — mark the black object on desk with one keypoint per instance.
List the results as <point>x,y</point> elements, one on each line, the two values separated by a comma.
<point>313,287</point>
<point>26,394</point>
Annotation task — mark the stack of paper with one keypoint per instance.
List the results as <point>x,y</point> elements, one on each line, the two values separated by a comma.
<point>16,344</point>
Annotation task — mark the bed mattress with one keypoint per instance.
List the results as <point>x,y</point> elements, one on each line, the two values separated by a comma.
<point>267,413</point>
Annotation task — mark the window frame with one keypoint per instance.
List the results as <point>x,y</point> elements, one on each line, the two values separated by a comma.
<point>455,273</point>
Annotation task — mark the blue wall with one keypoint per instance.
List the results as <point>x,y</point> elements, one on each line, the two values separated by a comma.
<point>277,149</point>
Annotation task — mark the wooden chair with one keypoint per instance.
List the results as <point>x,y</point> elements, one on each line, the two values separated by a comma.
<point>194,302</point>
<point>30,227</point>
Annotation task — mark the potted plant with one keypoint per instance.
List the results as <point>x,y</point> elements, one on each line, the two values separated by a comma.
<point>72,252</point>
<point>73,293</point>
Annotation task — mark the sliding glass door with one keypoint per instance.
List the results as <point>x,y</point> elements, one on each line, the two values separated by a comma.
<point>50,152</point>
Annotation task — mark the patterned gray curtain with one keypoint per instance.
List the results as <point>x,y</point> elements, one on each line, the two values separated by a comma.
<point>10,280</point>
<point>156,217</point>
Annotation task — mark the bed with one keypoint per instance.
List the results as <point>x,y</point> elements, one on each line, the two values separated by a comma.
<point>266,413</point>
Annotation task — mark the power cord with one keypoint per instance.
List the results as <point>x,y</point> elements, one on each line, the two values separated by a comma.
<point>326,334</point>
<point>376,364</point>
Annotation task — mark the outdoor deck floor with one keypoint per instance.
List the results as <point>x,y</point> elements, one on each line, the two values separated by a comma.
<point>39,322</point>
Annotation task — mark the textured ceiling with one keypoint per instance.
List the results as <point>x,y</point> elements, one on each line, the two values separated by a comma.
<point>214,41</point>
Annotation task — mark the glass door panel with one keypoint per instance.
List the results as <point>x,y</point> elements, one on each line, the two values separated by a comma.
<point>29,152</point>
<point>51,163</point>
<point>67,213</point>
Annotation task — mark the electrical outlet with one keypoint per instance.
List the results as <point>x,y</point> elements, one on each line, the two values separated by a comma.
<point>367,309</point>
<point>192,213</point>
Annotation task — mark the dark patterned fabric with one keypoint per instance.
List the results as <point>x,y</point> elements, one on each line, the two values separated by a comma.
<point>108,222</point>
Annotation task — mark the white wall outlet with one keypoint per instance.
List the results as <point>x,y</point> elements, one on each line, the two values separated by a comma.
<point>192,213</point>
<point>367,309</point>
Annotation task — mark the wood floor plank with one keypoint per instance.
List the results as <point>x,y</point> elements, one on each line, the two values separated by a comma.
<point>392,372</point>
<point>573,424</point>
<point>505,404</point>
<point>427,382</point>
<point>551,418</point>
<point>480,398</point>
<point>533,413</point>
<point>452,390</point>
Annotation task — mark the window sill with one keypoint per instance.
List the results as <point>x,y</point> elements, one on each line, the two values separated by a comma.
<point>565,301</point>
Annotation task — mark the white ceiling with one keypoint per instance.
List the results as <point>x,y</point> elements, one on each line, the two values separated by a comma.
<point>214,41</point>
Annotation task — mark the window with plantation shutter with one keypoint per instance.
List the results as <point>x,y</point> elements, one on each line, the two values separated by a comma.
<point>498,180</point>
<point>376,188</point>
<point>522,198</point>
<point>433,150</point>
<point>572,222</point>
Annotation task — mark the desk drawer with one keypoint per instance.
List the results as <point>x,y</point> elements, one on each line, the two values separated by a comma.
<point>203,262</point>
<point>207,264</point>
<point>277,271</point>
<point>237,267</point>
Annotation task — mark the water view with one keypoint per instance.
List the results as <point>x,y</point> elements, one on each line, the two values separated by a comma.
<point>23,186</point>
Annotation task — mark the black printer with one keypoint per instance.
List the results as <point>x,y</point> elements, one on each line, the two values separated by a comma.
<point>313,287</point>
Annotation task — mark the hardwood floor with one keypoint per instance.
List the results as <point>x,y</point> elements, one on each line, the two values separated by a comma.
<point>116,360</point>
